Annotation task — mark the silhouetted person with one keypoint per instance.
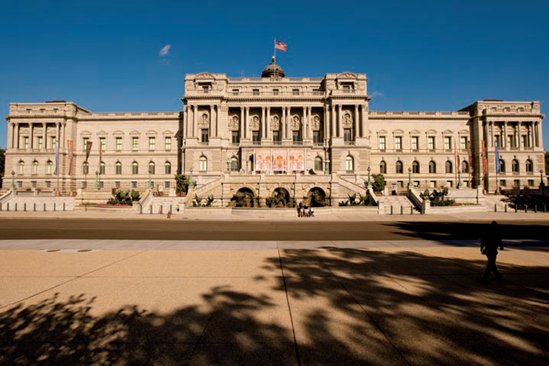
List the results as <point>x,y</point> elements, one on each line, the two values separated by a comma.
<point>489,243</point>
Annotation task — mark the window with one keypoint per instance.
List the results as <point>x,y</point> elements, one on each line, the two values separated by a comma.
<point>168,168</point>
<point>433,183</point>
<point>134,184</point>
<point>234,164</point>
<point>102,168</point>
<point>276,136</point>
<point>449,167</point>
<point>119,144</point>
<point>383,167</point>
<point>416,183</point>
<point>349,163</point>
<point>48,184</point>
<point>52,142</point>
<point>347,136</point>
<point>204,135</point>
<point>530,182</point>
<point>85,168</point>
<point>502,183</point>
<point>318,164</point>
<point>431,142</point>
<point>206,88</point>
<point>316,137</point>
<point>415,167</point>
<point>35,167</point>
<point>255,91</point>
<point>135,143</point>
<point>255,138</point>
<point>26,142</point>
<point>447,143</point>
<point>525,142</point>
<point>33,184</point>
<point>103,143</point>
<point>49,167</point>
<point>235,91</point>
<point>235,137</point>
<point>152,143</point>
<point>464,167</point>
<point>84,143</point>
<point>118,168</point>
<point>295,136</point>
<point>501,166</point>
<point>399,167</point>
<point>21,167</point>
<point>117,184</point>
<point>529,166</point>
<point>449,183</point>
<point>203,163</point>
<point>135,168</point>
<point>40,142</point>
<point>275,91</point>
<point>167,143</point>
<point>432,167</point>
<point>517,183</point>
<point>398,143</point>
<point>167,184</point>
<point>382,144</point>
<point>295,91</point>
<point>151,168</point>
<point>415,143</point>
<point>463,145</point>
<point>516,166</point>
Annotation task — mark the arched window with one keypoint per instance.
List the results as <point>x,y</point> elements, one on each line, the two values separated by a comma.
<point>349,163</point>
<point>432,167</point>
<point>529,166</point>
<point>21,167</point>
<point>102,168</point>
<point>464,167</point>
<point>502,166</point>
<point>203,163</point>
<point>318,164</point>
<point>399,167</point>
<point>516,167</point>
<point>151,168</point>
<point>118,168</point>
<point>168,168</point>
<point>234,164</point>
<point>383,167</point>
<point>49,167</point>
<point>415,167</point>
<point>449,167</point>
<point>135,168</point>
<point>85,168</point>
<point>35,167</point>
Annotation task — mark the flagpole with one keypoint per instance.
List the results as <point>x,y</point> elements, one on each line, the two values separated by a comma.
<point>274,49</point>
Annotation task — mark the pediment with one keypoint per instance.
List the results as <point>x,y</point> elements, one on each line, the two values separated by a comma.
<point>135,133</point>
<point>431,132</point>
<point>414,132</point>
<point>204,75</point>
<point>102,133</point>
<point>398,132</point>
<point>167,133</point>
<point>463,132</point>
<point>382,132</point>
<point>152,132</point>
<point>447,132</point>
<point>347,75</point>
<point>118,133</point>
<point>85,133</point>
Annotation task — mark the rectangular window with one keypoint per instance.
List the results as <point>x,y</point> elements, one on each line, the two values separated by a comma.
<point>382,144</point>
<point>517,183</point>
<point>152,143</point>
<point>295,91</point>
<point>48,184</point>
<point>398,143</point>
<point>235,91</point>
<point>33,184</point>
<point>40,142</point>
<point>275,91</point>
<point>102,169</point>
<point>103,143</point>
<point>204,135</point>
<point>255,91</point>
<point>502,183</point>
<point>415,143</point>
<point>101,184</point>
<point>449,183</point>
<point>26,142</point>
<point>416,183</point>
<point>119,144</point>
<point>346,87</point>
<point>433,183</point>
<point>525,142</point>
<point>135,143</point>
<point>276,136</point>
<point>530,182</point>
<point>235,137</point>
<point>463,142</point>
<point>316,137</point>
<point>347,135</point>
<point>206,88</point>
<point>447,143</point>
<point>117,184</point>
<point>168,143</point>
<point>431,143</point>
<point>255,137</point>
<point>84,143</point>
<point>118,168</point>
<point>295,136</point>
<point>52,142</point>
<point>167,184</point>
<point>134,184</point>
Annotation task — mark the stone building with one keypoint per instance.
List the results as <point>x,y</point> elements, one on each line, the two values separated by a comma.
<point>274,132</point>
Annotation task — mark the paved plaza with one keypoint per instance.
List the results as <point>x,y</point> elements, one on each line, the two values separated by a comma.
<point>186,302</point>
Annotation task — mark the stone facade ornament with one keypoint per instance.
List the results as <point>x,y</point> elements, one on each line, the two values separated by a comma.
<point>254,124</point>
<point>275,123</point>
<point>347,120</point>
<point>316,122</point>
<point>296,123</point>
<point>233,123</point>
<point>204,120</point>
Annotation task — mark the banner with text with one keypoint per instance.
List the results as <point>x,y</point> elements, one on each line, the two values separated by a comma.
<point>280,158</point>
<point>297,160</point>
<point>263,160</point>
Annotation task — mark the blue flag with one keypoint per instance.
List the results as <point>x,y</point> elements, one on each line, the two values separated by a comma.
<point>56,172</point>
<point>497,158</point>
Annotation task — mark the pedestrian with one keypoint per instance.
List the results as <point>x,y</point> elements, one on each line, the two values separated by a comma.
<point>490,241</point>
<point>299,211</point>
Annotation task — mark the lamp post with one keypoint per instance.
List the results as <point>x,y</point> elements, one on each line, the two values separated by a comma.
<point>12,180</point>
<point>409,177</point>
<point>542,183</point>
<point>369,183</point>
<point>96,179</point>
<point>150,182</point>
<point>459,178</point>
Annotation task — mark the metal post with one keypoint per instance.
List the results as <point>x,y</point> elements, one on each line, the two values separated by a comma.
<point>170,209</point>
<point>13,180</point>
<point>161,209</point>
<point>44,206</point>
<point>25,207</point>
<point>151,209</point>
<point>495,207</point>
<point>506,208</point>
<point>516,208</point>
<point>140,209</point>
<point>401,210</point>
<point>526,209</point>
<point>34,207</point>
<point>536,208</point>
<point>391,210</point>
<point>16,207</point>
<point>411,210</point>
<point>63,206</point>
<point>54,206</point>
<point>409,177</point>
<point>7,206</point>
<point>369,183</point>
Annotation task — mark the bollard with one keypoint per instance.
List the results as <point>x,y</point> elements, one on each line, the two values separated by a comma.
<point>505,208</point>
<point>526,209</point>
<point>401,210</point>
<point>536,208</point>
<point>34,207</point>
<point>160,210</point>
<point>544,208</point>
<point>151,209</point>
<point>516,208</point>
<point>170,209</point>
<point>140,209</point>
<point>25,207</point>
<point>391,210</point>
<point>422,209</point>
<point>15,207</point>
<point>54,206</point>
<point>0,207</point>
<point>7,206</point>
<point>411,210</point>
<point>495,207</point>
<point>44,206</point>
<point>63,206</point>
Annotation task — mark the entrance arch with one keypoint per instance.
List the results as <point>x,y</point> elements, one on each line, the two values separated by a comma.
<point>316,197</point>
<point>244,197</point>
<point>280,198</point>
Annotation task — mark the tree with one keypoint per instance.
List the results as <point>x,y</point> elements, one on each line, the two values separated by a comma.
<point>3,165</point>
<point>379,182</point>
<point>182,183</point>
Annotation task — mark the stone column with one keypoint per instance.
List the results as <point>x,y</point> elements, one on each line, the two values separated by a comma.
<point>536,134</point>
<point>363,122</point>
<point>504,139</point>
<point>242,122</point>
<point>268,124</point>
<point>263,124</point>
<point>283,123</point>
<point>63,136</point>
<point>247,122</point>
<point>309,123</point>
<point>356,123</point>
<point>493,126</point>
<point>45,135</point>
<point>333,122</point>
<point>288,118</point>
<point>211,130</point>
<point>339,121</point>
<point>519,134</point>
<point>31,135</point>
<point>16,136</point>
<point>195,121</point>
<point>304,124</point>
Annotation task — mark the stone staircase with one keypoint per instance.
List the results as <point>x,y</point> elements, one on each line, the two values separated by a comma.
<point>386,202</point>
<point>491,201</point>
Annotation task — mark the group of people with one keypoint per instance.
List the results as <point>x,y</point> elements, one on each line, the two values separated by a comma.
<point>304,211</point>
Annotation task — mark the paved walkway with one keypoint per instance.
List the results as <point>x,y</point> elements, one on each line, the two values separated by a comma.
<point>271,303</point>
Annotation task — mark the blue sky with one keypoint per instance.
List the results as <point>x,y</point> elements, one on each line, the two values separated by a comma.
<point>418,55</point>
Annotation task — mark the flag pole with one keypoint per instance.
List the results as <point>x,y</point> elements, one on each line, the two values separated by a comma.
<point>274,49</point>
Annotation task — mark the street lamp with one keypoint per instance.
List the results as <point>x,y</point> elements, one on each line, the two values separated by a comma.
<point>409,177</point>
<point>96,179</point>
<point>369,183</point>
<point>12,180</point>
<point>150,182</point>
<point>459,177</point>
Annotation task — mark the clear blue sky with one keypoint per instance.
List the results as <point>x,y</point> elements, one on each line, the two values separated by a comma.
<point>419,55</point>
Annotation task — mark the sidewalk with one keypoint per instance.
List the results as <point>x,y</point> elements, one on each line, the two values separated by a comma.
<point>406,303</point>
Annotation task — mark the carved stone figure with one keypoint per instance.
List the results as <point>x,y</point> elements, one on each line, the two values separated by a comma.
<point>296,124</point>
<point>233,123</point>
<point>255,123</point>
<point>347,120</point>
<point>275,123</point>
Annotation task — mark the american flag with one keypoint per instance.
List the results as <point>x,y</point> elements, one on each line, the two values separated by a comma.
<point>281,46</point>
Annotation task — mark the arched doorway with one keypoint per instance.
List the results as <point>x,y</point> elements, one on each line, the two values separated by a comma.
<point>280,198</point>
<point>316,197</point>
<point>244,197</point>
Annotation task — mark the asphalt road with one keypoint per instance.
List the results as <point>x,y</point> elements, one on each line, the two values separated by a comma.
<point>260,230</point>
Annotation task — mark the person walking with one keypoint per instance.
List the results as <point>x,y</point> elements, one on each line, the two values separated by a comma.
<point>489,244</point>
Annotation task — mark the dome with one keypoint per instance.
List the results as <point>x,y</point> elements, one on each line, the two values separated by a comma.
<point>272,70</point>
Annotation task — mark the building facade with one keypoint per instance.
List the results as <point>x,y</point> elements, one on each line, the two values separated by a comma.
<point>261,134</point>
